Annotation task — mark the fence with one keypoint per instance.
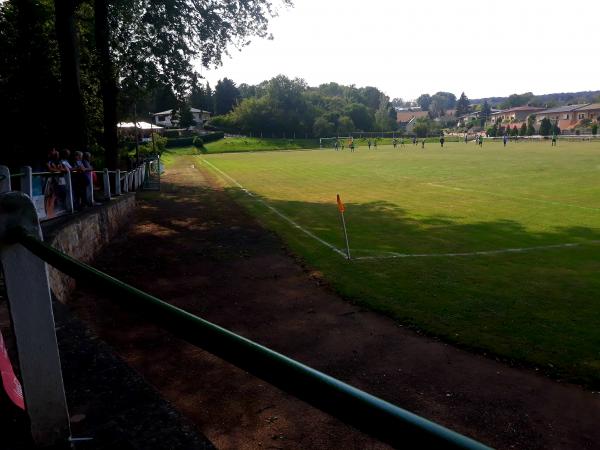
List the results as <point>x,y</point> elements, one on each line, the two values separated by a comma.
<point>53,193</point>
<point>23,252</point>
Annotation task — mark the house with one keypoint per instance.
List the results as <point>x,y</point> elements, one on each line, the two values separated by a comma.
<point>165,118</point>
<point>512,115</point>
<point>406,119</point>
<point>588,112</point>
<point>563,116</point>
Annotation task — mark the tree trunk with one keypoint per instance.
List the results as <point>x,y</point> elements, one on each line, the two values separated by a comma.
<point>108,83</point>
<point>74,129</point>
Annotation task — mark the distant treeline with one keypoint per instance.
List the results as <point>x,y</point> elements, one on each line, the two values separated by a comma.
<point>290,106</point>
<point>545,100</point>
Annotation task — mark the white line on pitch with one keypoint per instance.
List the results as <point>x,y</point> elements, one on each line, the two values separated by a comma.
<point>276,211</point>
<point>393,255</point>
<point>548,202</point>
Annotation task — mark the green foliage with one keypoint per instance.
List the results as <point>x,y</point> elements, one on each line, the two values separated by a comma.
<point>289,106</point>
<point>424,101</point>
<point>517,100</point>
<point>226,96</point>
<point>523,130</point>
<point>463,105</point>
<point>423,126</point>
<point>546,127</point>
<point>514,131</point>
<point>531,125</point>
<point>180,142</point>
<point>186,118</point>
<point>595,128</point>
<point>322,127</point>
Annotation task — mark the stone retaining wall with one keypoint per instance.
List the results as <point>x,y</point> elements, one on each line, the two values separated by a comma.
<point>83,235</point>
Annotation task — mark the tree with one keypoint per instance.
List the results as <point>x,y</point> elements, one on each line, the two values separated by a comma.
<point>486,112</point>
<point>595,128</point>
<point>424,101</point>
<point>323,128</point>
<point>514,131</point>
<point>383,119</point>
<point>186,118</point>
<point>463,105</point>
<point>523,130</point>
<point>397,102</point>
<point>360,115</point>
<point>197,94</point>
<point>145,41</point>
<point>422,126</point>
<point>546,127</point>
<point>515,100</point>
<point>531,125</point>
<point>226,96</point>
<point>345,126</point>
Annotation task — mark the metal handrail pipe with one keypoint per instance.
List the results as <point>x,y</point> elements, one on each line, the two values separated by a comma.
<point>372,415</point>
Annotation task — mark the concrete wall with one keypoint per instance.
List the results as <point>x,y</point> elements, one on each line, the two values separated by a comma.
<point>83,235</point>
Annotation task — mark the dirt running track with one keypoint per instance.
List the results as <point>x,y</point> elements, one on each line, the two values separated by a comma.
<point>192,246</point>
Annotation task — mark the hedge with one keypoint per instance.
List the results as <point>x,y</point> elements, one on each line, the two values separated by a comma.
<point>211,137</point>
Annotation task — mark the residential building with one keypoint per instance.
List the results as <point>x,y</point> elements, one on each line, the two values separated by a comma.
<point>406,119</point>
<point>513,115</point>
<point>165,118</point>
<point>563,116</point>
<point>588,112</point>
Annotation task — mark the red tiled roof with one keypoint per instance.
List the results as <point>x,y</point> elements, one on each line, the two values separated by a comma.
<point>405,116</point>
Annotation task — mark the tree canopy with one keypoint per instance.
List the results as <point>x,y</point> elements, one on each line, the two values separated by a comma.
<point>103,55</point>
<point>286,105</point>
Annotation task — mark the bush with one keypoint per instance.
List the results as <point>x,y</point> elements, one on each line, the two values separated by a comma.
<point>595,129</point>
<point>198,142</point>
<point>180,142</point>
<point>211,137</point>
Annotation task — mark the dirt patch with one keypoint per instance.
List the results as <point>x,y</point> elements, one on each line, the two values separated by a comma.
<point>194,247</point>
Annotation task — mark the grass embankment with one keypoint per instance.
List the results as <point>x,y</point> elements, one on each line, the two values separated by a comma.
<point>539,306</point>
<point>247,144</point>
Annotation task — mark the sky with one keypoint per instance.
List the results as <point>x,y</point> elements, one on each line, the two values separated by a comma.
<point>423,46</point>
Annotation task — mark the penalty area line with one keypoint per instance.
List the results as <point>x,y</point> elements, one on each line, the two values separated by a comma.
<point>392,255</point>
<point>276,211</point>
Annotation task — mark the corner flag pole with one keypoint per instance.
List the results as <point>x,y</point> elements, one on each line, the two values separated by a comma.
<point>341,209</point>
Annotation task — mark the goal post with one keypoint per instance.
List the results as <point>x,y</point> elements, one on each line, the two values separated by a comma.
<point>329,142</point>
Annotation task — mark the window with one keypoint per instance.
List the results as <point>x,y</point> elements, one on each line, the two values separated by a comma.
<point>161,118</point>
<point>582,116</point>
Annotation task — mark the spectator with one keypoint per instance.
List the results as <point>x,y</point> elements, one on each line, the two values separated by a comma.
<point>79,181</point>
<point>90,176</point>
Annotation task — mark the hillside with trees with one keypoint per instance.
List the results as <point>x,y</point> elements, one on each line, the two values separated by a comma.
<point>288,106</point>
<point>544,100</point>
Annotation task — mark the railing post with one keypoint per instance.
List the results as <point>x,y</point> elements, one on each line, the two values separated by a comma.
<point>131,181</point>
<point>27,288</point>
<point>69,186</point>
<point>117,182</point>
<point>106,180</point>
<point>4,179</point>
<point>126,182</point>
<point>27,181</point>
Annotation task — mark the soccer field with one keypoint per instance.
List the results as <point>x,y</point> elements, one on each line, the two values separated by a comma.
<point>492,248</point>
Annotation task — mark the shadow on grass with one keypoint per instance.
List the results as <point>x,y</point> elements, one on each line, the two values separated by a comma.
<point>536,308</point>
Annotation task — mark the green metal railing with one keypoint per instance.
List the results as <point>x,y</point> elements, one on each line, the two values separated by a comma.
<point>374,416</point>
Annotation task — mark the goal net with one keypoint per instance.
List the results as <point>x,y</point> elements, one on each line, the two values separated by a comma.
<point>329,142</point>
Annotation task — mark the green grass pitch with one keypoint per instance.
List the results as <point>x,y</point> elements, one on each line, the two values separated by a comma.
<point>493,248</point>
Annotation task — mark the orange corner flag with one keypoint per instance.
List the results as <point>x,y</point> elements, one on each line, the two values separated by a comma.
<point>341,206</point>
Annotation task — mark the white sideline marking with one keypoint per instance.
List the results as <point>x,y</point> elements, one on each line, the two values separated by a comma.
<point>395,255</point>
<point>548,202</point>
<point>392,255</point>
<point>279,213</point>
